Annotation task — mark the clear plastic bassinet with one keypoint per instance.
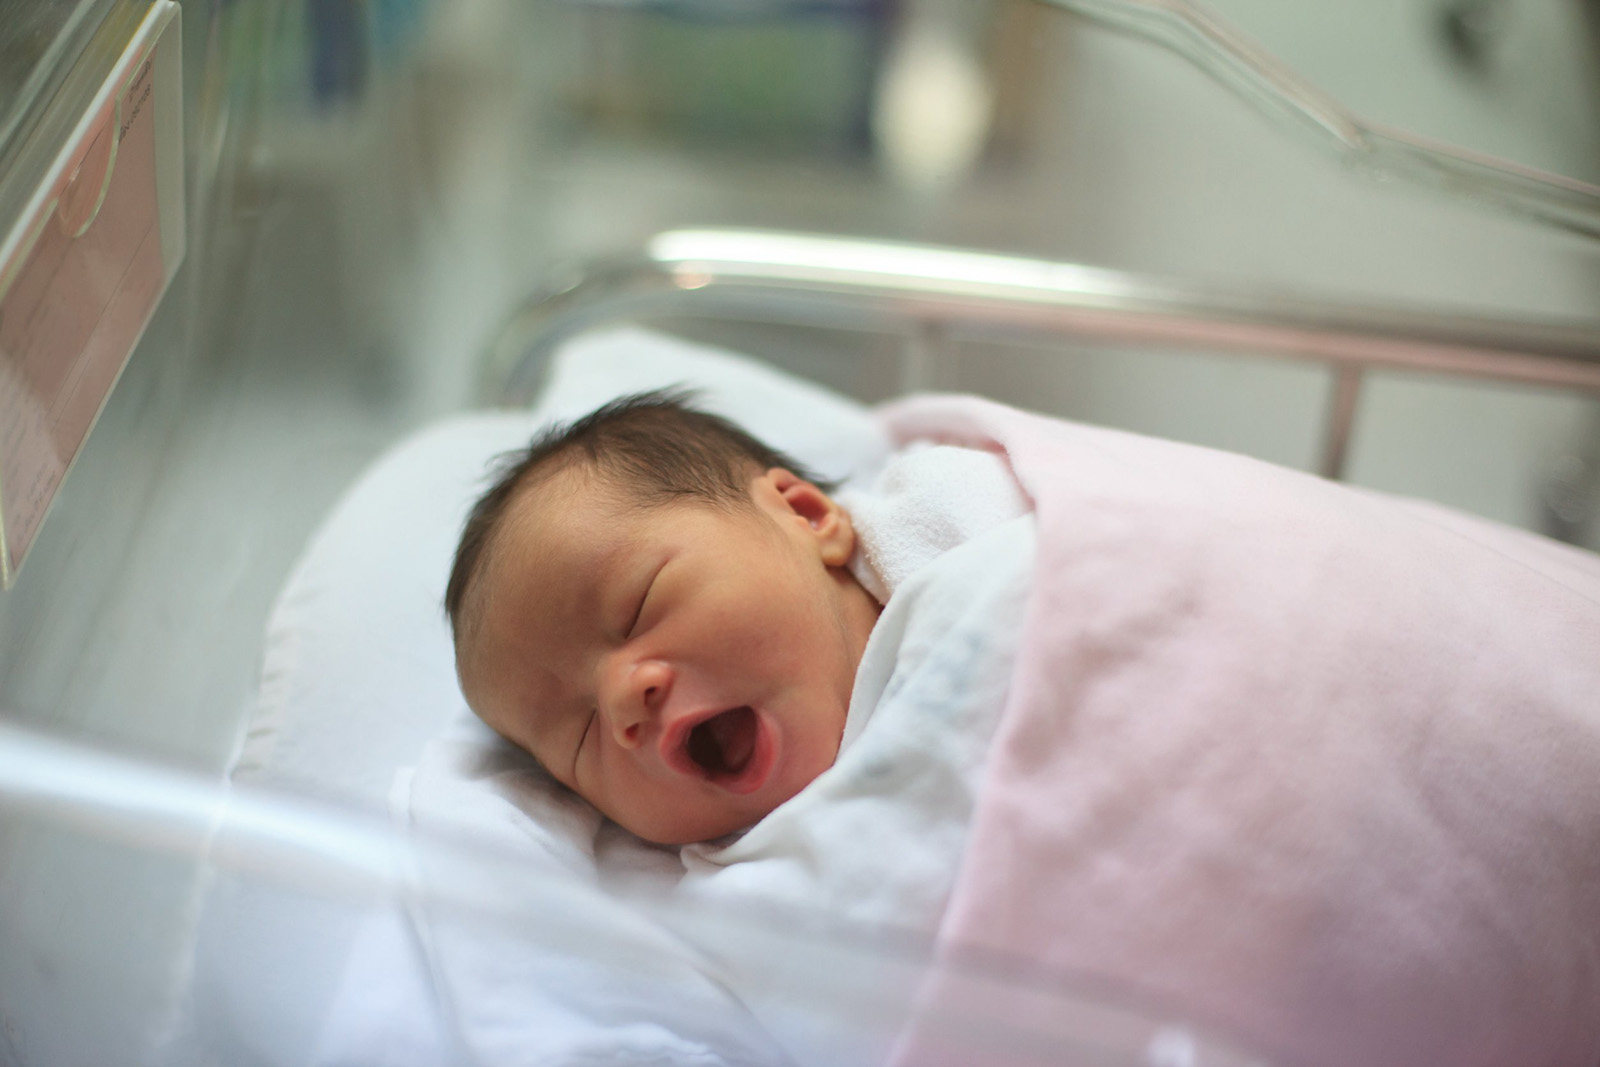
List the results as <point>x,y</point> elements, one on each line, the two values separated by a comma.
<point>397,212</point>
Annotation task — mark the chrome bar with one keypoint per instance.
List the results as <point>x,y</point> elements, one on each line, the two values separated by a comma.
<point>1346,396</point>
<point>767,276</point>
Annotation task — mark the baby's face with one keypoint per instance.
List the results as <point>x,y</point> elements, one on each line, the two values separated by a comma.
<point>684,668</point>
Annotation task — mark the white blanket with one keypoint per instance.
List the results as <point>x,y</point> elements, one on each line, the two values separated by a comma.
<point>875,839</point>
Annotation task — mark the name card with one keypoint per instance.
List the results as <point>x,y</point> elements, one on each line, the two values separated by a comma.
<point>81,272</point>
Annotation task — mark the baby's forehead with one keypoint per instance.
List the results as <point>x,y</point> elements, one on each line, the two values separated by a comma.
<point>529,524</point>
<point>590,491</point>
<point>571,509</point>
<point>574,477</point>
<point>583,515</point>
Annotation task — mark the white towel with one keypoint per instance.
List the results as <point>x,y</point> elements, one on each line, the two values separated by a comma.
<point>926,500</point>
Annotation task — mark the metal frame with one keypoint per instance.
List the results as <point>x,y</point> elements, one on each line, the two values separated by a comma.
<point>928,293</point>
<point>1262,80</point>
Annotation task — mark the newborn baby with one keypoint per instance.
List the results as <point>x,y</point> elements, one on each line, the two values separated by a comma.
<point>659,609</point>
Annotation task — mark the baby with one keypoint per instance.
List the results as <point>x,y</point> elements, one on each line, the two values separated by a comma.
<point>658,608</point>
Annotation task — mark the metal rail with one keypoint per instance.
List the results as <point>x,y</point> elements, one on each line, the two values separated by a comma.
<point>1260,79</point>
<point>767,276</point>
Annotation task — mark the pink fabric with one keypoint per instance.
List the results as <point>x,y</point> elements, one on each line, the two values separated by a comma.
<point>1317,768</point>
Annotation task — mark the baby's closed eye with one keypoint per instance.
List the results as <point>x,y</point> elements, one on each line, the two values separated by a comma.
<point>644,598</point>
<point>638,611</point>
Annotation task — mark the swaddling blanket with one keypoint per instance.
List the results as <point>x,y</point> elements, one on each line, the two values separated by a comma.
<point>876,839</point>
<point>1317,767</point>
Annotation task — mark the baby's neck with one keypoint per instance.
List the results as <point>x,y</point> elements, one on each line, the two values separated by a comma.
<point>858,612</point>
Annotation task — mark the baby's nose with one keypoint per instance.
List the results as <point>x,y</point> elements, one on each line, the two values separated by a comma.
<point>636,699</point>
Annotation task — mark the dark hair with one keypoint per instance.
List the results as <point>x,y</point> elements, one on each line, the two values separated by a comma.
<point>653,446</point>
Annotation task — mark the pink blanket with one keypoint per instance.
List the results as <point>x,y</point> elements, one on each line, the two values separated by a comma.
<point>1313,767</point>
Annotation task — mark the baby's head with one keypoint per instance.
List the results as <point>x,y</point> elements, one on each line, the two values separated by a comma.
<point>656,606</point>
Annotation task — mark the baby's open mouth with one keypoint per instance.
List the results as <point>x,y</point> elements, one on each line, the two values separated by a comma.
<point>723,745</point>
<point>735,749</point>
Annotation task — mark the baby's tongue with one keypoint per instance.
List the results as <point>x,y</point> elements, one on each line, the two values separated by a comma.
<point>725,743</point>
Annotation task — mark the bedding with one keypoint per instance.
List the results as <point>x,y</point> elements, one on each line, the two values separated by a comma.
<point>1312,766</point>
<point>1317,767</point>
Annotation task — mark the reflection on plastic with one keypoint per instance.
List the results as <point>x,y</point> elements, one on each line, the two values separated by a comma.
<point>1261,80</point>
<point>846,983</point>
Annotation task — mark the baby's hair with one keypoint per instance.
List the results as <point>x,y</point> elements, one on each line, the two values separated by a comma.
<point>653,446</point>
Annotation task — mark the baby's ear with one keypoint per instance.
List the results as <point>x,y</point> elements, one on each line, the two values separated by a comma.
<point>825,520</point>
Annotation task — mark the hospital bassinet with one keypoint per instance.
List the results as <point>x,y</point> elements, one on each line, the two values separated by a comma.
<point>120,848</point>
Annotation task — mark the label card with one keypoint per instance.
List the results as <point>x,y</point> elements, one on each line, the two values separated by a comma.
<point>81,273</point>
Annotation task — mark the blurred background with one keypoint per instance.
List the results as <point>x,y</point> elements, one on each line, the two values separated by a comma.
<point>373,184</point>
